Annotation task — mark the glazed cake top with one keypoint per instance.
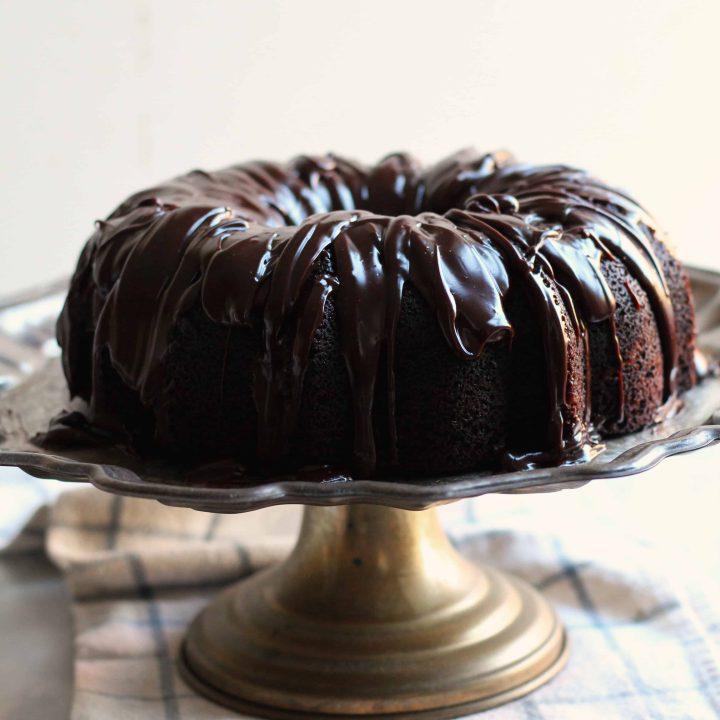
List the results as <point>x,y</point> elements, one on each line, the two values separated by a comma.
<point>245,242</point>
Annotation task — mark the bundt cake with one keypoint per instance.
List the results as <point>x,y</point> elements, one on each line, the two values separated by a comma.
<point>394,319</point>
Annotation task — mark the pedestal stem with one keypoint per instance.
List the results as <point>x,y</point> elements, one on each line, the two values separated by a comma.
<point>374,613</point>
<point>369,563</point>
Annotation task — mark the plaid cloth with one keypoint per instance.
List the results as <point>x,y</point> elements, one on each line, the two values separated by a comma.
<point>631,565</point>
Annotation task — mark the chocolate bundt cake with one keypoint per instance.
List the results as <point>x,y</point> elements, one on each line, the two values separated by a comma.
<point>384,320</point>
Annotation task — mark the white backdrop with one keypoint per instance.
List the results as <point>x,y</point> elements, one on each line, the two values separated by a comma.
<point>100,99</point>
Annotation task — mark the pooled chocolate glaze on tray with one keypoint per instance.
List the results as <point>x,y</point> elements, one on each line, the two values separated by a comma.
<point>278,249</point>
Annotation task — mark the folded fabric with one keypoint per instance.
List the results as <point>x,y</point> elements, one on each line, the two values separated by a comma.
<point>138,573</point>
<point>24,505</point>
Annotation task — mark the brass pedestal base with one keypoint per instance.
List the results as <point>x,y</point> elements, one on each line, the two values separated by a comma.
<point>373,614</point>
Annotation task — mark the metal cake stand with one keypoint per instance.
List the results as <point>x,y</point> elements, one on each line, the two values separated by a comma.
<point>374,613</point>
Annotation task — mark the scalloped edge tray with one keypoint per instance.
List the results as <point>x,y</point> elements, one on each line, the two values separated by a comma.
<point>26,409</point>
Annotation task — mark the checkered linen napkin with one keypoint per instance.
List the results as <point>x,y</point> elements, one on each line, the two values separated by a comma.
<point>631,565</point>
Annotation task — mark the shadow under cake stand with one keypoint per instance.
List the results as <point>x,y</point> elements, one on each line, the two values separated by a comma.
<point>374,613</point>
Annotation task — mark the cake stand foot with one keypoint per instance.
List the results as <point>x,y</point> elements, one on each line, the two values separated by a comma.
<point>373,614</point>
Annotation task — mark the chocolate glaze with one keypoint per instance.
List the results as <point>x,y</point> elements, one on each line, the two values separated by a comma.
<point>247,242</point>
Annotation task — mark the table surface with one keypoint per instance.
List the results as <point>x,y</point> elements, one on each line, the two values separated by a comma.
<point>36,662</point>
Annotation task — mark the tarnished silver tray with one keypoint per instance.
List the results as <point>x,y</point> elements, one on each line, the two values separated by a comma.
<point>40,392</point>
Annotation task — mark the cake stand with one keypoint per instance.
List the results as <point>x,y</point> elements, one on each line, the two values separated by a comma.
<point>374,613</point>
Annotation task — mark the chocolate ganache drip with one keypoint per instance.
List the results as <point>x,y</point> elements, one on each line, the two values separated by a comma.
<point>265,245</point>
